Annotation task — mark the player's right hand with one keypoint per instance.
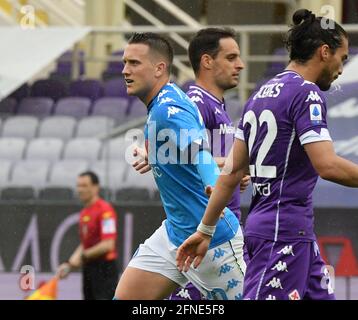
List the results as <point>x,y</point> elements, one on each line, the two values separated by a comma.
<point>192,250</point>
<point>63,270</point>
<point>141,165</point>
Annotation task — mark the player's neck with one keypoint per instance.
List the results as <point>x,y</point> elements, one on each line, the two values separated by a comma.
<point>212,88</point>
<point>91,202</point>
<point>307,71</point>
<point>155,90</point>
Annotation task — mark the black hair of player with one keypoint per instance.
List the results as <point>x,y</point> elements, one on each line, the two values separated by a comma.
<point>156,43</point>
<point>93,177</point>
<point>309,32</point>
<point>207,41</point>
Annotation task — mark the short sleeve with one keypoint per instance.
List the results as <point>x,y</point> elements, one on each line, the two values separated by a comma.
<point>308,113</point>
<point>239,133</point>
<point>108,221</point>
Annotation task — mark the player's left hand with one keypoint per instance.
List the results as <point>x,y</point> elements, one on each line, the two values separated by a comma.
<point>244,183</point>
<point>192,250</point>
<point>141,165</point>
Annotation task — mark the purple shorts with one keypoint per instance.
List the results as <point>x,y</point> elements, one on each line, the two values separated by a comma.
<point>187,293</point>
<point>285,271</point>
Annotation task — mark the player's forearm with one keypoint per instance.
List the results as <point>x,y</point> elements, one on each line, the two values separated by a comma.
<point>341,171</point>
<point>224,188</point>
<point>99,249</point>
<point>75,260</point>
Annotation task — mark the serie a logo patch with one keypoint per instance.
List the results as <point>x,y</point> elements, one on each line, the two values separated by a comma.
<point>316,112</point>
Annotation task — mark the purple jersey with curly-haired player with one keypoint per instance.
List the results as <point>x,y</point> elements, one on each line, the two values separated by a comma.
<point>278,120</point>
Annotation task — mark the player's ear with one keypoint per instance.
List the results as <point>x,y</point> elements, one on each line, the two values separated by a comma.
<point>325,52</point>
<point>160,68</point>
<point>206,61</point>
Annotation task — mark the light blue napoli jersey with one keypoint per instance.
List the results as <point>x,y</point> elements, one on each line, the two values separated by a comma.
<point>174,132</point>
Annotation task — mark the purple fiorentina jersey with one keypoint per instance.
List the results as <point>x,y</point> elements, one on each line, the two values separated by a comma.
<point>286,113</point>
<point>220,129</point>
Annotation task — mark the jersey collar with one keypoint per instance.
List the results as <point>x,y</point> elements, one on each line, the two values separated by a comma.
<point>152,102</point>
<point>209,95</point>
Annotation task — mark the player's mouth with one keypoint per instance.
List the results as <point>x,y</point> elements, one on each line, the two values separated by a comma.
<point>129,81</point>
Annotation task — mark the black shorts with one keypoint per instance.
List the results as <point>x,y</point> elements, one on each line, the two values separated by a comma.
<point>99,280</point>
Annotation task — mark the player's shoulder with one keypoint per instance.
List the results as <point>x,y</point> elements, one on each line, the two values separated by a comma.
<point>298,85</point>
<point>309,92</point>
<point>170,94</point>
<point>196,95</point>
<point>104,206</point>
<point>171,100</point>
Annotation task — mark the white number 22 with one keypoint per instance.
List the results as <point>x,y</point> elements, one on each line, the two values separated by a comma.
<point>267,117</point>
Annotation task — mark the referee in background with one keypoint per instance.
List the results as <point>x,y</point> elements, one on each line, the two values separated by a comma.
<point>97,253</point>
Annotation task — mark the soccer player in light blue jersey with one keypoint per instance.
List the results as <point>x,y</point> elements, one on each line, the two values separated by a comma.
<point>176,144</point>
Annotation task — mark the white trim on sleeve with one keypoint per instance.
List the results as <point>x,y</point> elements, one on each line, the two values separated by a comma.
<point>239,134</point>
<point>313,136</point>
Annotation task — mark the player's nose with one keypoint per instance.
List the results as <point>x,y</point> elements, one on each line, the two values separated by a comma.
<point>240,65</point>
<point>125,70</point>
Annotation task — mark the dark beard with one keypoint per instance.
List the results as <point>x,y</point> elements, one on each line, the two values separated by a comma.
<point>324,82</point>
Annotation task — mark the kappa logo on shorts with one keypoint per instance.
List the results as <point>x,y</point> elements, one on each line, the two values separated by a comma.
<point>271,297</point>
<point>238,296</point>
<point>286,251</point>
<point>232,284</point>
<point>275,283</point>
<point>280,266</point>
<point>184,293</point>
<point>218,253</point>
<point>225,269</point>
<point>294,295</point>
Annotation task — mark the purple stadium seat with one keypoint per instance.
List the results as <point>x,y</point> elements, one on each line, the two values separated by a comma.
<point>115,108</point>
<point>115,88</point>
<point>89,88</point>
<point>73,106</point>
<point>40,107</point>
<point>137,109</point>
<point>64,68</point>
<point>114,68</point>
<point>8,106</point>
<point>51,88</point>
